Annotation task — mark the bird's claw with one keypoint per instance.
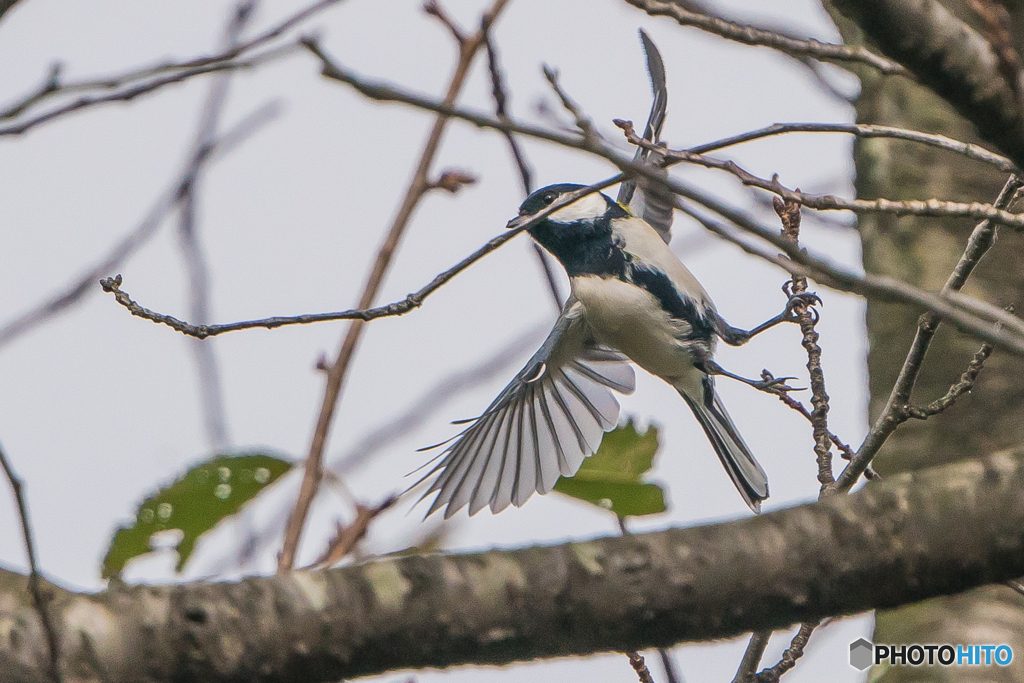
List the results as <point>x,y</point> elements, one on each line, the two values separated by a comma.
<point>808,300</point>
<point>774,385</point>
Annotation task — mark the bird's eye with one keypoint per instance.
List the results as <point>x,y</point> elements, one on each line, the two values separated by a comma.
<point>548,198</point>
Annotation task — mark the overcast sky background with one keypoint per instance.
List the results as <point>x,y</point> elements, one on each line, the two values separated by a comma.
<point>97,408</point>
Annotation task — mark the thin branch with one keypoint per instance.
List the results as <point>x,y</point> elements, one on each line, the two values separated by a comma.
<point>346,538</point>
<point>500,95</point>
<point>981,240</point>
<point>338,369</point>
<point>863,130</point>
<point>751,35</point>
<point>789,212</point>
<point>966,383</point>
<point>39,597</point>
<point>131,93</point>
<point>52,87</point>
<point>752,657</point>
<point>435,10</point>
<point>636,660</point>
<point>929,207</point>
<point>75,290</point>
<point>987,322</point>
<point>210,390</point>
<point>794,652</point>
<point>802,409</point>
<point>671,676</point>
<point>409,303</point>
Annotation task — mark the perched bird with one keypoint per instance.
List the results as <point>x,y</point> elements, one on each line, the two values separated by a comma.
<point>632,300</point>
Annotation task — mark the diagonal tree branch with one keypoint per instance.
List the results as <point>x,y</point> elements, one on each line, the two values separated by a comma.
<point>420,185</point>
<point>40,599</point>
<point>77,288</point>
<point>752,35</point>
<point>908,538</point>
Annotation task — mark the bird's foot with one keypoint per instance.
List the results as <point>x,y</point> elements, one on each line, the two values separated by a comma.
<point>774,385</point>
<point>804,300</point>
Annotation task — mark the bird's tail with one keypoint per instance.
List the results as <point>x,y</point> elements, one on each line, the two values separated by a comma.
<point>739,462</point>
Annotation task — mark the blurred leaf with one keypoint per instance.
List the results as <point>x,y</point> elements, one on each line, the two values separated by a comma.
<point>193,504</point>
<point>611,478</point>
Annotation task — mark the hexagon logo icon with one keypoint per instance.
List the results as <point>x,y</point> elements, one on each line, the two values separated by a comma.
<point>861,652</point>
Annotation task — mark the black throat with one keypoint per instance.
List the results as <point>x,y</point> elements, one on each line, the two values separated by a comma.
<point>586,247</point>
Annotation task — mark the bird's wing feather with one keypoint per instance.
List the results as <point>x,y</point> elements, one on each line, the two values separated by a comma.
<point>541,426</point>
<point>652,203</point>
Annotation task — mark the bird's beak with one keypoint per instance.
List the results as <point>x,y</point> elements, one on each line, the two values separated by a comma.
<point>517,221</point>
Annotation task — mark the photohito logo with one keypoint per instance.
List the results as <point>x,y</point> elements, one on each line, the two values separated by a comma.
<point>864,653</point>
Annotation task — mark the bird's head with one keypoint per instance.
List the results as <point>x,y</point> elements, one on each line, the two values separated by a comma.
<point>578,234</point>
<point>584,210</point>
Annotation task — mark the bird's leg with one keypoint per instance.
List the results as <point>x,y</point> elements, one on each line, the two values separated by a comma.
<point>734,336</point>
<point>768,383</point>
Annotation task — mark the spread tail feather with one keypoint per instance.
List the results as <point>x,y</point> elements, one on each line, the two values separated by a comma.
<point>739,462</point>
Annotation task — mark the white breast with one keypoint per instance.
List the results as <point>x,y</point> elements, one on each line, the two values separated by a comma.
<point>630,319</point>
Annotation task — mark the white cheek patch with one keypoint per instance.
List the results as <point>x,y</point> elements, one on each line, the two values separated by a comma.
<point>584,209</point>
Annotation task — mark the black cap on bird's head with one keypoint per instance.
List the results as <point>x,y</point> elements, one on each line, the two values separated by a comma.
<point>588,208</point>
<point>545,197</point>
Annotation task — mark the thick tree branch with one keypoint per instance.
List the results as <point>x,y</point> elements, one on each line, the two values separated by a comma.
<point>949,57</point>
<point>905,539</point>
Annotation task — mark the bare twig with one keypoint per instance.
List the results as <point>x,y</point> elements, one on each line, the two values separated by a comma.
<point>345,539</point>
<point>789,212</point>
<point>965,384</point>
<point>409,303</point>
<point>75,290</point>
<point>636,660</point>
<point>39,596</point>
<point>435,10</point>
<point>583,122</point>
<point>799,407</point>
<point>929,207</point>
<point>671,676</point>
<point>751,35</point>
<point>500,95</point>
<point>128,94</point>
<point>985,321</point>
<point>210,390</point>
<point>978,244</point>
<point>338,369</point>
<point>53,87</point>
<point>1015,585</point>
<point>794,652</point>
<point>864,130</point>
<point>752,657</point>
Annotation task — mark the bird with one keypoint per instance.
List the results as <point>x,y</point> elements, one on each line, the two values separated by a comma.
<point>632,300</point>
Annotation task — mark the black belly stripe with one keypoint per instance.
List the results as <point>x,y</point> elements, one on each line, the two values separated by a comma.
<point>683,308</point>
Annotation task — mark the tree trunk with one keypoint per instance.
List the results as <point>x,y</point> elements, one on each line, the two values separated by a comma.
<point>923,251</point>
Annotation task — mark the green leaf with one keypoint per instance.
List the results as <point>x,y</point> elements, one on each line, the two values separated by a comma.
<point>611,478</point>
<point>193,504</point>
